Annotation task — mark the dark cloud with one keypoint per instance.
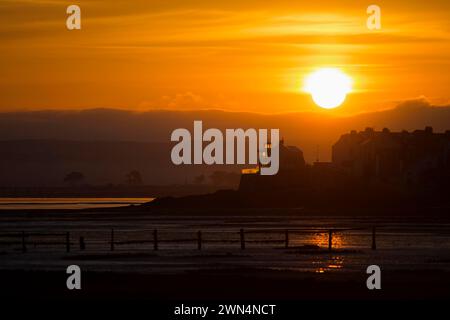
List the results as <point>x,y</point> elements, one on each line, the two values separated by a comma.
<point>419,103</point>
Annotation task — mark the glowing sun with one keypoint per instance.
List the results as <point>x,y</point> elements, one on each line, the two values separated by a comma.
<point>328,87</point>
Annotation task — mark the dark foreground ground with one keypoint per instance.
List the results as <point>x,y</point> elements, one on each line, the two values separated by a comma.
<point>294,295</point>
<point>225,285</point>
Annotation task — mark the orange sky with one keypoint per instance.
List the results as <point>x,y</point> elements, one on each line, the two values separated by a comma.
<point>232,55</point>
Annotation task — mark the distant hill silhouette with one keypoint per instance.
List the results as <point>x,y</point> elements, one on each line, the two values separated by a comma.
<point>149,132</point>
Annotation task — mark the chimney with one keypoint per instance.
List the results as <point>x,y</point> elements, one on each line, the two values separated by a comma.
<point>369,131</point>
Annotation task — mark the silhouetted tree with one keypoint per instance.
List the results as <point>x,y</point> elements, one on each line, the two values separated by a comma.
<point>134,178</point>
<point>74,178</point>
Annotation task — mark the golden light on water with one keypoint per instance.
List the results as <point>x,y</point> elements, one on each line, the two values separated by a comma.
<point>321,240</point>
<point>336,261</point>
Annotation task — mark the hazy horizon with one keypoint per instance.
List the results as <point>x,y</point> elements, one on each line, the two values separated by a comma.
<point>305,130</point>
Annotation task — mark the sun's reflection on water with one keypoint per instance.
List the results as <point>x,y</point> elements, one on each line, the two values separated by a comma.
<point>321,240</point>
<point>332,264</point>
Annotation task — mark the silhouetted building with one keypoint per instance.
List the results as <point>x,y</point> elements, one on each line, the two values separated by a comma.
<point>291,169</point>
<point>394,157</point>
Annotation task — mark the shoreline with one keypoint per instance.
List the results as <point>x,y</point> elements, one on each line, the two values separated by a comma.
<point>146,210</point>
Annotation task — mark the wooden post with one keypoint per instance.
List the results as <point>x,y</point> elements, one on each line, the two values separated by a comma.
<point>112,239</point>
<point>286,238</point>
<point>374,241</point>
<point>67,241</point>
<point>155,239</point>
<point>24,245</point>
<point>242,239</point>
<point>330,240</point>
<point>82,244</point>
<point>199,239</point>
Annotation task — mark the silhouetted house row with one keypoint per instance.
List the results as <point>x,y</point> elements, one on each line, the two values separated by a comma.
<point>418,158</point>
<point>394,157</point>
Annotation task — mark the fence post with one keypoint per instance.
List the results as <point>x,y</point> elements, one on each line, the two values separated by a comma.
<point>330,240</point>
<point>199,238</point>
<point>24,245</point>
<point>286,238</point>
<point>374,241</point>
<point>155,239</point>
<point>67,241</point>
<point>82,244</point>
<point>112,239</point>
<point>242,239</point>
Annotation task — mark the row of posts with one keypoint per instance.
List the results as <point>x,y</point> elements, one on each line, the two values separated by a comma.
<point>199,240</point>
<point>68,244</point>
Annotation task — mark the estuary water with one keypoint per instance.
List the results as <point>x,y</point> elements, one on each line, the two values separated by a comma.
<point>67,203</point>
